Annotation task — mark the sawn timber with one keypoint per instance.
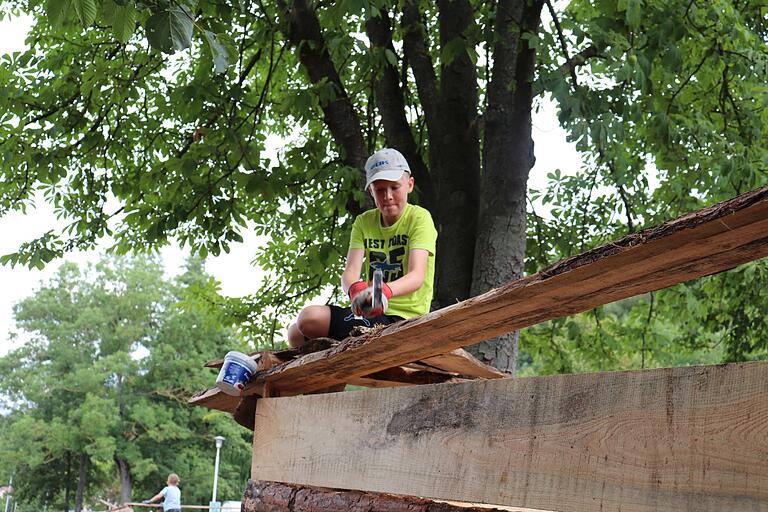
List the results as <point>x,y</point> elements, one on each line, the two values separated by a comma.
<point>698,244</point>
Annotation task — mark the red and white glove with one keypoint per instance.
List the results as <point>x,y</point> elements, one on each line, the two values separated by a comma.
<point>361,295</point>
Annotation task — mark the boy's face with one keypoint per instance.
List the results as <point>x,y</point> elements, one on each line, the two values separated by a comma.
<point>392,196</point>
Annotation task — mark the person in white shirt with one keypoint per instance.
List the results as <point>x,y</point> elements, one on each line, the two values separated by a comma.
<point>171,495</point>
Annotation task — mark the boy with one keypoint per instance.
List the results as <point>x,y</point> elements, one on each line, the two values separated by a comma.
<point>397,237</point>
<point>171,493</point>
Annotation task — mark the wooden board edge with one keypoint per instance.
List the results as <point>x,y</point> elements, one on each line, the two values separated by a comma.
<point>260,496</point>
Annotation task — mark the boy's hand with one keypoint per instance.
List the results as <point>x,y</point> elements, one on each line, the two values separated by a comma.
<point>362,301</point>
<point>356,288</point>
<point>359,295</point>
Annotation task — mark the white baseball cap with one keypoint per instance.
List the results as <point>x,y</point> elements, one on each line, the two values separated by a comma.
<point>385,164</point>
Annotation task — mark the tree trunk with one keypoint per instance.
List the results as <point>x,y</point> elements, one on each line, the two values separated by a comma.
<point>457,160</point>
<point>68,483</point>
<point>508,158</point>
<point>391,105</point>
<point>126,480</point>
<point>81,482</point>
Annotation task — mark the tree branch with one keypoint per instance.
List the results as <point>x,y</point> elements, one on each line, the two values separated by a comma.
<point>305,34</point>
<point>672,99</point>
<point>579,59</point>
<point>391,103</point>
<point>415,48</point>
<point>563,44</point>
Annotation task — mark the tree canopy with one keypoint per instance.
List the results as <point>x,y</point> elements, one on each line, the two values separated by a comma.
<point>150,121</point>
<point>96,400</point>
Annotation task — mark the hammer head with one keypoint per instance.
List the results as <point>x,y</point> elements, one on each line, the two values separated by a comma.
<point>378,280</point>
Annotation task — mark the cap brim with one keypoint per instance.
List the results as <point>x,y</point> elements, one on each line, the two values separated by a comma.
<point>386,176</point>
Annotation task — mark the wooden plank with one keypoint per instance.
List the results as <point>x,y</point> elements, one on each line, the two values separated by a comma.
<point>396,377</point>
<point>281,497</point>
<point>711,240</point>
<point>682,439</point>
<point>214,398</point>
<point>457,361</point>
<point>409,377</point>
<point>462,362</point>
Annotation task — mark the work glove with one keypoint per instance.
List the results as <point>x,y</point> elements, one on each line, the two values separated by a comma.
<point>356,288</point>
<point>362,298</point>
<point>146,502</point>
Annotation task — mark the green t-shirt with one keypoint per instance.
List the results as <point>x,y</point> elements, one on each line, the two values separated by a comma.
<point>391,246</point>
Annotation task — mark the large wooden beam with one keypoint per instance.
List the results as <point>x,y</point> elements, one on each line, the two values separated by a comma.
<point>680,439</point>
<point>711,240</point>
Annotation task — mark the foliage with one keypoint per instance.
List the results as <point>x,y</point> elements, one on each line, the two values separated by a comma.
<point>259,121</point>
<point>665,98</point>
<point>107,372</point>
<point>711,320</point>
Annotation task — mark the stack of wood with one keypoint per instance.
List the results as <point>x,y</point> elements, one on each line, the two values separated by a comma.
<point>457,365</point>
<point>689,438</point>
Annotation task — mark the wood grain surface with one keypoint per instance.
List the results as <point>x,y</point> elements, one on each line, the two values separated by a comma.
<point>679,439</point>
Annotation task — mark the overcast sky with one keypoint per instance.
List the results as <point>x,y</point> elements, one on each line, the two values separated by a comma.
<point>234,270</point>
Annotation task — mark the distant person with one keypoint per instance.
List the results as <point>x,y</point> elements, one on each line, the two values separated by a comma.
<point>171,495</point>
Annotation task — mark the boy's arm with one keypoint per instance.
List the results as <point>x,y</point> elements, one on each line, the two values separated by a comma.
<point>352,270</point>
<point>155,498</point>
<point>417,270</point>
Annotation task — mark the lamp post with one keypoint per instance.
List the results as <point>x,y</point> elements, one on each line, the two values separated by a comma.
<point>219,441</point>
<point>8,498</point>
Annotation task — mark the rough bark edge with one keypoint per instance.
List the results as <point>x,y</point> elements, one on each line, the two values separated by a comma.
<point>687,221</point>
<point>261,496</point>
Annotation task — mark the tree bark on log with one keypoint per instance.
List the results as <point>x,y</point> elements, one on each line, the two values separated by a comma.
<point>263,496</point>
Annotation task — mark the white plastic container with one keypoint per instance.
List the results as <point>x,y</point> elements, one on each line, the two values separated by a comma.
<point>237,370</point>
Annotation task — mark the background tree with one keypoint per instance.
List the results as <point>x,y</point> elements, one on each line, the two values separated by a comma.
<point>98,395</point>
<point>665,98</point>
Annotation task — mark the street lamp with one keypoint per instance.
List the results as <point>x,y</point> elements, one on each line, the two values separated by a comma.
<point>219,441</point>
<point>10,490</point>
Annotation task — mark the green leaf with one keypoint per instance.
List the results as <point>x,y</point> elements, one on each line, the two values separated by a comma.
<point>391,57</point>
<point>170,30</point>
<point>86,11</point>
<point>124,24</point>
<point>57,11</point>
<point>634,13</point>
<point>453,49</point>
<point>221,54</point>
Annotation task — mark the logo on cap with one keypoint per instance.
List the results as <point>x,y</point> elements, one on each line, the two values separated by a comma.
<point>379,164</point>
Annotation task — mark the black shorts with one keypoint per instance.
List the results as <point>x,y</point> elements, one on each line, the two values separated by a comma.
<point>342,322</point>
